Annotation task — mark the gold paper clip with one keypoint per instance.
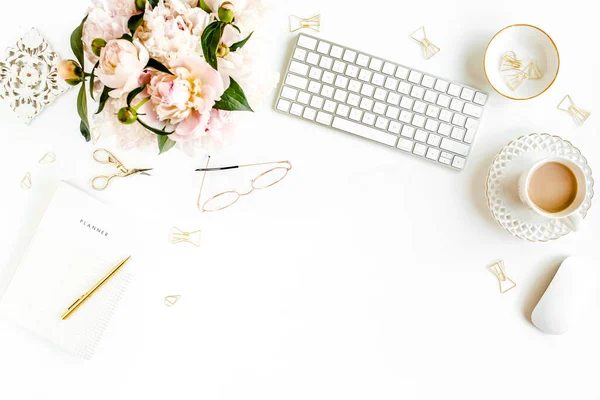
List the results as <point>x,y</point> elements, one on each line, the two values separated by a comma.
<point>510,61</point>
<point>313,23</point>
<point>515,79</point>
<point>48,158</point>
<point>179,236</point>
<point>578,114</point>
<point>96,135</point>
<point>533,70</point>
<point>420,37</point>
<point>171,300</point>
<point>504,281</point>
<point>26,183</point>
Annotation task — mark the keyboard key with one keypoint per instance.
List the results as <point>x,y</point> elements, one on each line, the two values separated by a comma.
<point>467,94</point>
<point>405,117</point>
<point>415,77</point>
<point>417,92</point>
<point>455,147</point>
<point>428,81</point>
<point>480,98</point>
<point>309,113</point>
<point>430,96</point>
<point>303,98</point>
<point>454,90</point>
<point>298,68</point>
<point>366,104</point>
<point>341,81</point>
<point>283,105</point>
<point>328,77</point>
<point>353,100</point>
<point>289,93</point>
<point>459,120</point>
<point>473,110</point>
<point>391,83</point>
<point>458,133</point>
<point>380,94</point>
<point>325,62</point>
<point>342,110</point>
<point>445,160</point>
<point>307,42</point>
<point>407,102</point>
<point>356,114</point>
<point>368,118</point>
<point>458,162</point>
<point>419,107</point>
<point>432,111</point>
<point>420,149</point>
<point>393,98</point>
<point>394,127</point>
<point>323,47</point>
<point>381,123</point>
<point>296,109</point>
<point>352,71</point>
<point>340,95</point>
<point>324,118</point>
<point>329,106</point>
<point>408,131</point>
<point>405,144</point>
<point>316,102</point>
<point>296,81</point>
<point>314,87</point>
<point>441,85</point>
<point>336,52</point>
<point>418,120</point>
<point>432,125</point>
<point>433,154</point>
<point>443,100</point>
<point>339,66</point>
<point>421,135</point>
<point>445,115</point>
<point>388,68</point>
<point>327,91</point>
<point>392,112</point>
<point>349,56</point>
<point>404,87</point>
<point>434,140</point>
<point>354,86</point>
<point>402,72</point>
<point>444,129</point>
<point>365,75</point>
<point>362,60</point>
<point>379,108</point>
<point>364,131</point>
<point>299,54</point>
<point>312,58</point>
<point>471,126</point>
<point>378,79</point>
<point>367,90</point>
<point>457,105</point>
<point>315,73</point>
<point>375,64</point>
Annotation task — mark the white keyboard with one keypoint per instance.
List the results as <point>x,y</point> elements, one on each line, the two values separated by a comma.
<point>401,107</point>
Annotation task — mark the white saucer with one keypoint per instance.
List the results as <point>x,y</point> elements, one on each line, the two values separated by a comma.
<point>501,186</point>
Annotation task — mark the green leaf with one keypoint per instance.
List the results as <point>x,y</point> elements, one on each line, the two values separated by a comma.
<point>152,63</point>
<point>240,44</point>
<point>211,37</point>
<point>127,37</point>
<point>164,143</point>
<point>159,132</point>
<point>237,28</point>
<point>83,112</point>
<point>103,99</point>
<point>77,43</point>
<point>134,93</point>
<point>92,76</point>
<point>202,4</point>
<point>153,3</point>
<point>135,22</point>
<point>233,99</point>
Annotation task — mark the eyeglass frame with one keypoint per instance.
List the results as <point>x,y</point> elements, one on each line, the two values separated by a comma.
<point>278,165</point>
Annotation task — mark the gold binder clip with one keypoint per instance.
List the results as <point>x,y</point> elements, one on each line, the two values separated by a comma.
<point>96,135</point>
<point>504,281</point>
<point>420,37</point>
<point>578,114</point>
<point>313,23</point>
<point>533,70</point>
<point>48,158</point>
<point>179,236</point>
<point>26,183</point>
<point>171,300</point>
<point>510,61</point>
<point>515,79</point>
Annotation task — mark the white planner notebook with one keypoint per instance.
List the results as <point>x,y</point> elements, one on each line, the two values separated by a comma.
<point>78,240</point>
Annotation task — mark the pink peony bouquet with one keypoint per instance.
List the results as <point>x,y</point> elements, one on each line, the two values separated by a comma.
<point>165,73</point>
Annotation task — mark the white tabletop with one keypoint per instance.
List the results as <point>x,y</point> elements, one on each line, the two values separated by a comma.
<point>362,275</point>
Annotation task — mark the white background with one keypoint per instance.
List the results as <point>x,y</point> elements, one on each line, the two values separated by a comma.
<point>362,275</point>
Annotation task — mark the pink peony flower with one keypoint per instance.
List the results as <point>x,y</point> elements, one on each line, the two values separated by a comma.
<point>121,64</point>
<point>187,97</point>
<point>218,132</point>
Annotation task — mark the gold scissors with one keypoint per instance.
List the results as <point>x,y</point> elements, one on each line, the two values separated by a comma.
<point>104,156</point>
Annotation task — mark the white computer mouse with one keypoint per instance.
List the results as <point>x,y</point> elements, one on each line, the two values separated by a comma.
<point>565,299</point>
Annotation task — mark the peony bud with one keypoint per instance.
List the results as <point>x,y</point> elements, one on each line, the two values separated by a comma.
<point>70,72</point>
<point>141,5</point>
<point>127,115</point>
<point>226,12</point>
<point>97,45</point>
<point>222,51</point>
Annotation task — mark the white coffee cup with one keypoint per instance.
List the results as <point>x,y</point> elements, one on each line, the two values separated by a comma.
<point>569,216</point>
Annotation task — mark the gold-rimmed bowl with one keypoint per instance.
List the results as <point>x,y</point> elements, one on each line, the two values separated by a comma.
<point>529,43</point>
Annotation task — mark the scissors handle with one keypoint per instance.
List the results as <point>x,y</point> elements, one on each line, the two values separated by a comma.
<point>101,182</point>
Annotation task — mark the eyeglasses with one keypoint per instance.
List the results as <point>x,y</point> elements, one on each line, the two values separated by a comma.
<point>268,178</point>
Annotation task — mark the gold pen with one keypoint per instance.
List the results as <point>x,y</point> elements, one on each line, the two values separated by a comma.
<point>90,292</point>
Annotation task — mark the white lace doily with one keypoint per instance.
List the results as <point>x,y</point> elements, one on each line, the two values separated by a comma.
<point>501,186</point>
